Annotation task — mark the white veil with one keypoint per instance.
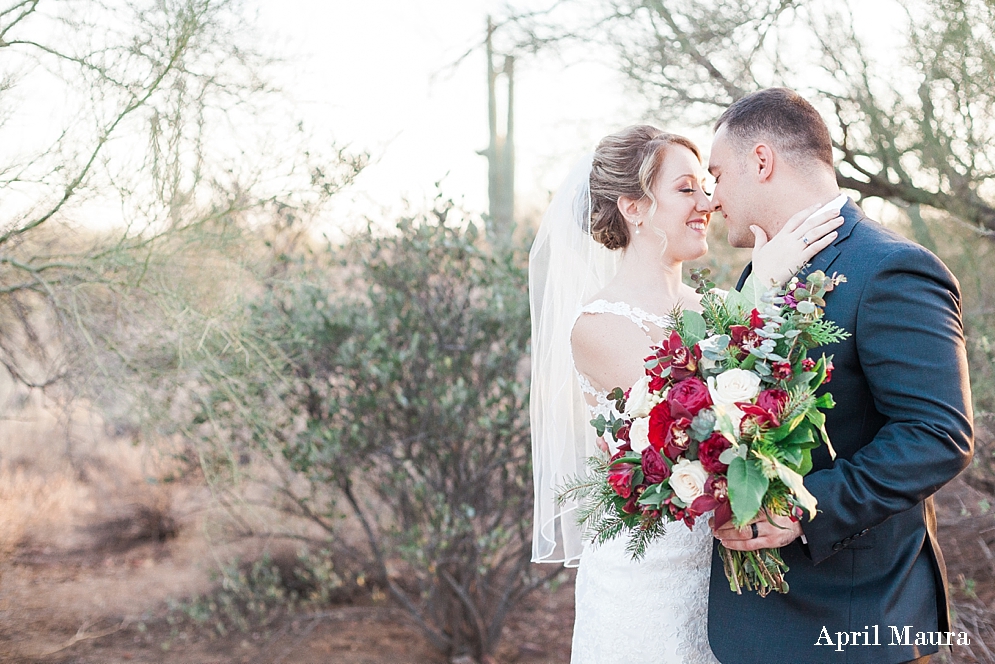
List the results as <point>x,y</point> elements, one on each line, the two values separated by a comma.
<point>566,268</point>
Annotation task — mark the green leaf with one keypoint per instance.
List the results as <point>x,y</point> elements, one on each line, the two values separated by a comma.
<point>737,303</point>
<point>798,436</point>
<point>694,327</point>
<point>825,401</point>
<point>805,466</point>
<point>654,495</point>
<point>818,419</point>
<point>747,486</point>
<point>802,380</point>
<point>628,457</point>
<point>792,456</point>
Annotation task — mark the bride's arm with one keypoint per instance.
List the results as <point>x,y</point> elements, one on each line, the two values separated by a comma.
<point>804,235</point>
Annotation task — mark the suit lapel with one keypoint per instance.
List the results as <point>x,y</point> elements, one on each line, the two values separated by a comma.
<point>824,259</point>
<point>852,214</point>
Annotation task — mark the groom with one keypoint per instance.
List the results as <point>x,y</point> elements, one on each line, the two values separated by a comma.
<point>866,575</point>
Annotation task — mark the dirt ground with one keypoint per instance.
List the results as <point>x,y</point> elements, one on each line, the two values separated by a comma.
<point>93,559</point>
<point>98,607</point>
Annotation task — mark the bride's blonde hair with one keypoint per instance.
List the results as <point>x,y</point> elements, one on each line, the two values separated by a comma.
<point>625,164</point>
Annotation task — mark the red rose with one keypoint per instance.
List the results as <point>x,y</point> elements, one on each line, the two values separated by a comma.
<point>657,384</point>
<point>808,364</point>
<point>659,426</point>
<point>782,371</point>
<point>620,479</point>
<point>668,434</point>
<point>773,401</point>
<point>691,394</point>
<point>709,451</point>
<point>655,468</point>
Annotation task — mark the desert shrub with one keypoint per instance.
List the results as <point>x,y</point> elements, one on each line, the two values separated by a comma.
<point>417,392</point>
<point>388,380</point>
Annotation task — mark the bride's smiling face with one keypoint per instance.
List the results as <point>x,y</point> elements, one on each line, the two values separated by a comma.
<point>682,210</point>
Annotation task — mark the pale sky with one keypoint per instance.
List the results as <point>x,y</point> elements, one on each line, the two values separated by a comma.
<point>377,75</point>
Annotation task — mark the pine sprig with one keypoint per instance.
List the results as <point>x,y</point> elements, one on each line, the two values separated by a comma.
<point>824,332</point>
<point>643,536</point>
<point>677,320</point>
<point>597,509</point>
<point>715,313</point>
<point>584,487</point>
<point>800,401</point>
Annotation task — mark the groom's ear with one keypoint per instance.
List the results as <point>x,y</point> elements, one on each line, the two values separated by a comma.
<point>763,162</point>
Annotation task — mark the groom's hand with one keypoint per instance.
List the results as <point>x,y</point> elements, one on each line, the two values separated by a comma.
<point>784,532</point>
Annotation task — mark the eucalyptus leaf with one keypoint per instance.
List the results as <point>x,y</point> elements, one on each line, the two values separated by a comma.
<point>695,328</point>
<point>703,424</point>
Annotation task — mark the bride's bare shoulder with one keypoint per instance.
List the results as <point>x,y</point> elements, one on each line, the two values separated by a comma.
<point>608,349</point>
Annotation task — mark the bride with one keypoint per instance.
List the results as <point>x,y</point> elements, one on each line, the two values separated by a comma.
<point>604,273</point>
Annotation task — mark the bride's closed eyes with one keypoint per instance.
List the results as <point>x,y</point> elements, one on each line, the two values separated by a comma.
<point>689,188</point>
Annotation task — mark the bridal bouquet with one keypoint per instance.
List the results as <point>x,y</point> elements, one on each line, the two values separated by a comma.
<point>725,419</point>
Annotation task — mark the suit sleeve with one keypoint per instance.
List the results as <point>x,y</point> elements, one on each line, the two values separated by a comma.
<point>910,344</point>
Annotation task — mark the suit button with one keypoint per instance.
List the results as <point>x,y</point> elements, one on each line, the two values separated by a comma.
<point>837,546</point>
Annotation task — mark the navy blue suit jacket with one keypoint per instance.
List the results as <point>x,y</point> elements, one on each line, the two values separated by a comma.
<point>902,428</point>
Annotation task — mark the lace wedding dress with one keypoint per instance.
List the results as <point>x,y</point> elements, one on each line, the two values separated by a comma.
<point>654,610</point>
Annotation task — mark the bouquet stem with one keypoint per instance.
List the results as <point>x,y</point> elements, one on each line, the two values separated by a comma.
<point>762,570</point>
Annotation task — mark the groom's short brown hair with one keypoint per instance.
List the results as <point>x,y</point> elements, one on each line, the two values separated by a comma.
<point>784,118</point>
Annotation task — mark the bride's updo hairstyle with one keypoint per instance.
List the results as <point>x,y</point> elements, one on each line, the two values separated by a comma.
<point>625,164</point>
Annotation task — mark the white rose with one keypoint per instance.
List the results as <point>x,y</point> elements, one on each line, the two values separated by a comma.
<point>734,416</point>
<point>639,434</point>
<point>640,401</point>
<point>735,385</point>
<point>687,479</point>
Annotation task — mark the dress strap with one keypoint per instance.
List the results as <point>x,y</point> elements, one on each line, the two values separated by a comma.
<point>626,310</point>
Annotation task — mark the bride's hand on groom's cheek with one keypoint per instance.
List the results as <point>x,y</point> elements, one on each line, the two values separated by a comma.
<point>804,235</point>
<point>783,532</point>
